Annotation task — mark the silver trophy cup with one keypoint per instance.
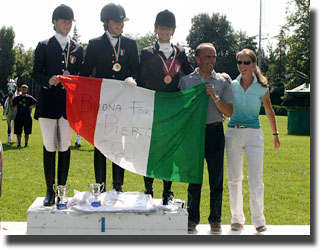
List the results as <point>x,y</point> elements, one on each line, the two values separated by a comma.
<point>96,189</point>
<point>61,192</point>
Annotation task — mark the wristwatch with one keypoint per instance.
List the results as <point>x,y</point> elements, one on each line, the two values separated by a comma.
<point>216,99</point>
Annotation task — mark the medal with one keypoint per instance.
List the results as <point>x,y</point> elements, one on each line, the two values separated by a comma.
<point>167,79</point>
<point>66,72</point>
<point>116,67</point>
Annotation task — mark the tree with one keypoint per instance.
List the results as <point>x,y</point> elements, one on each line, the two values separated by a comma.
<point>217,29</point>
<point>23,61</point>
<point>244,41</point>
<point>144,41</point>
<point>276,76</point>
<point>296,44</point>
<point>7,55</point>
<point>75,35</point>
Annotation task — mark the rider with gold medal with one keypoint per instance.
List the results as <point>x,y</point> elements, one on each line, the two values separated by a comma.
<point>111,56</point>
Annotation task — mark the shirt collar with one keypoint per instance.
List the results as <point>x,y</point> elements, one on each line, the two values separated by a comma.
<point>112,39</point>
<point>63,40</point>
<point>239,77</point>
<point>112,36</point>
<point>197,75</point>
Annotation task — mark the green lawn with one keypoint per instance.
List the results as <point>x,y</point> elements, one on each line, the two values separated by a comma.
<point>286,178</point>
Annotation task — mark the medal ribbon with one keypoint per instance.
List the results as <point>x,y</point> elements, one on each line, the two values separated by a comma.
<point>66,59</point>
<point>173,60</point>
<point>116,53</point>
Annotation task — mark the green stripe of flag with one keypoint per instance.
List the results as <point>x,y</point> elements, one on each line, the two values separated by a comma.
<point>178,132</point>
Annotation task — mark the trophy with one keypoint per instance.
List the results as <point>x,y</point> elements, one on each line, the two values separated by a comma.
<point>61,191</point>
<point>96,189</point>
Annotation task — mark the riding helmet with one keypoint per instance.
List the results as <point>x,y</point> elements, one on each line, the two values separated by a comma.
<point>114,12</point>
<point>166,18</point>
<point>63,12</point>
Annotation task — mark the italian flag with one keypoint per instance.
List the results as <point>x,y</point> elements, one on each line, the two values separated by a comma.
<point>154,134</point>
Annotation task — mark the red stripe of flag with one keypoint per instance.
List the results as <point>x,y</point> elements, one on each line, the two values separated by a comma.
<point>83,98</point>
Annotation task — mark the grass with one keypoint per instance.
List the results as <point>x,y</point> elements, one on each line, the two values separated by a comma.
<point>286,178</point>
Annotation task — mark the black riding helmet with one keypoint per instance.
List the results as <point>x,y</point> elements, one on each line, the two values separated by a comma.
<point>166,18</point>
<point>63,12</point>
<point>114,12</point>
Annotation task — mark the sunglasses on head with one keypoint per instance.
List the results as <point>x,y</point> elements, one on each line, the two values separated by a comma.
<point>244,62</point>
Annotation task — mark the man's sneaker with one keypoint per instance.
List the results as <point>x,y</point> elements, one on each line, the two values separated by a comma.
<point>261,229</point>
<point>215,227</point>
<point>236,227</point>
<point>191,227</point>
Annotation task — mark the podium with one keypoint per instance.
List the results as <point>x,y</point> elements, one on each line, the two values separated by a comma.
<point>43,220</point>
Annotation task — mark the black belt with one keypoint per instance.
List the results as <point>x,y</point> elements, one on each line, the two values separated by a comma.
<point>213,124</point>
<point>237,126</point>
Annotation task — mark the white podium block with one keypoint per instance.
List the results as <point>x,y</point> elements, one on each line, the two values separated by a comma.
<point>51,221</point>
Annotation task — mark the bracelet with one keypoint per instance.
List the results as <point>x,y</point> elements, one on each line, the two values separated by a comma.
<point>276,134</point>
<point>217,99</point>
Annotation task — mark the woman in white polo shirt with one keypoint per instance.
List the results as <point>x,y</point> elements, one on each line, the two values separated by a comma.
<point>244,134</point>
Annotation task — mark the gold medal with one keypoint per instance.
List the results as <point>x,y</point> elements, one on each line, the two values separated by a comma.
<point>116,67</point>
<point>167,79</point>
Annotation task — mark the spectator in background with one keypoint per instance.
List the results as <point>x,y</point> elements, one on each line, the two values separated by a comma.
<point>23,121</point>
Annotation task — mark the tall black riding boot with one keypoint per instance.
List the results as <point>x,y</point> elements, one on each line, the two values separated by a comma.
<point>100,168</point>
<point>167,194</point>
<point>148,185</point>
<point>117,174</point>
<point>49,159</point>
<point>63,166</point>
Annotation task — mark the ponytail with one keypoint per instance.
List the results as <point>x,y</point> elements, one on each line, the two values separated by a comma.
<point>261,78</point>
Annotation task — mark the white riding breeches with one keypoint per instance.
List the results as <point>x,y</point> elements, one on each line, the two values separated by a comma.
<point>56,134</point>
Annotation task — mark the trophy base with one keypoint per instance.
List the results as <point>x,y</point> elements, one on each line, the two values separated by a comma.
<point>96,204</point>
<point>61,206</point>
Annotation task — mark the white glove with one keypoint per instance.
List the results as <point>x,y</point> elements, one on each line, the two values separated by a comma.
<point>130,81</point>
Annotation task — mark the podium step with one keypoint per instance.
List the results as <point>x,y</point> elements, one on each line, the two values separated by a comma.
<point>20,228</point>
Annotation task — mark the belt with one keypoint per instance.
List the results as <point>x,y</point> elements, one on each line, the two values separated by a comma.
<point>213,124</point>
<point>237,126</point>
